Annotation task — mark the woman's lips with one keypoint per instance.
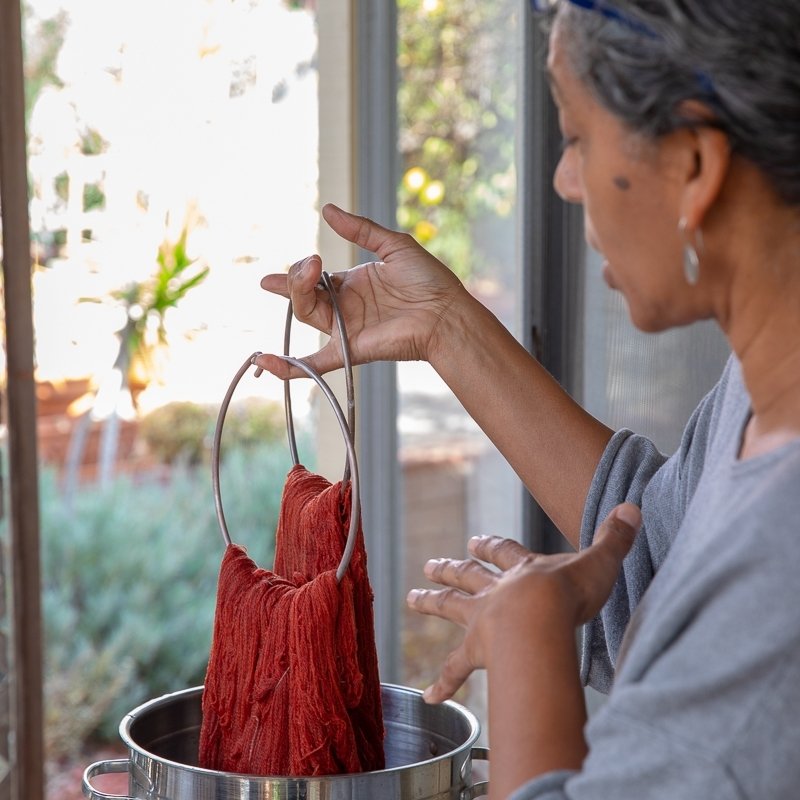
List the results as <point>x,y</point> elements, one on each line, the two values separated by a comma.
<point>605,267</point>
<point>608,277</point>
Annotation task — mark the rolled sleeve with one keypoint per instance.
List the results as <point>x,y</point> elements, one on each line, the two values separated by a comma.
<point>624,473</point>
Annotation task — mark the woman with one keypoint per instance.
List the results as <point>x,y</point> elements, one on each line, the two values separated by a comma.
<point>681,124</point>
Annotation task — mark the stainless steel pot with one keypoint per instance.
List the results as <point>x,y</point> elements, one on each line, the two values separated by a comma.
<point>429,754</point>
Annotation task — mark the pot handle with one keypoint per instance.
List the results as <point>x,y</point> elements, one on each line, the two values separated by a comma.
<point>115,765</point>
<point>480,789</point>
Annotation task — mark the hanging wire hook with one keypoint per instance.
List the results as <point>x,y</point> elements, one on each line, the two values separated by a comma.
<point>325,282</point>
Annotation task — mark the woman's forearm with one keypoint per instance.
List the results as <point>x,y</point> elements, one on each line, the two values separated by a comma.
<point>552,443</point>
<point>537,727</point>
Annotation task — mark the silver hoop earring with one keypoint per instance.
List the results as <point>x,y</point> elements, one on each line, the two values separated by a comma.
<point>691,253</point>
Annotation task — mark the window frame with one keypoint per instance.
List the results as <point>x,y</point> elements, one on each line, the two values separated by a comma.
<point>552,250</point>
<point>21,684</point>
<point>377,175</point>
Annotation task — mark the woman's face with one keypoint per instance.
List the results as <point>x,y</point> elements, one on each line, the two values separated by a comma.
<point>629,188</point>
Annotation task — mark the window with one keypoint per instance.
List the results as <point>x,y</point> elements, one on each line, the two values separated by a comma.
<point>181,134</point>
<point>648,383</point>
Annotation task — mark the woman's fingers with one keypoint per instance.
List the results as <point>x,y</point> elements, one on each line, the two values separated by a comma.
<point>475,595</point>
<point>276,283</point>
<point>306,295</point>
<point>598,566</point>
<point>363,231</point>
<point>322,361</point>
<point>450,604</point>
<point>468,575</point>
<point>617,533</point>
<point>390,307</point>
<point>302,286</point>
<point>277,366</point>
<point>503,553</point>
<point>465,579</point>
<point>455,670</point>
<point>311,305</point>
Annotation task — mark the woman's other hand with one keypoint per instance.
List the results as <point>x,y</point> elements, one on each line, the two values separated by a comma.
<point>520,594</point>
<point>392,308</point>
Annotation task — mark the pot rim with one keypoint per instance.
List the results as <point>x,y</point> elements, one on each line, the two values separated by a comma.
<point>131,716</point>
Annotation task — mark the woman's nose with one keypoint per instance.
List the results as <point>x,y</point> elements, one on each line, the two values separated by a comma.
<point>566,182</point>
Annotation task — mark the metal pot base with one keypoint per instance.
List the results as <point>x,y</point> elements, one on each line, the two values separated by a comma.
<point>429,752</point>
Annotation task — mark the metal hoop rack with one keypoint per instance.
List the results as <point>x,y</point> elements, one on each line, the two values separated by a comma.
<point>346,424</point>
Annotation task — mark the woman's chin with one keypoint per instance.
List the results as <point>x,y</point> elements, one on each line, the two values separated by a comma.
<point>642,315</point>
<point>646,319</point>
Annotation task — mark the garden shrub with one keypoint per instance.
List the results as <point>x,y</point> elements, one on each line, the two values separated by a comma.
<point>183,430</point>
<point>129,578</point>
<point>180,430</point>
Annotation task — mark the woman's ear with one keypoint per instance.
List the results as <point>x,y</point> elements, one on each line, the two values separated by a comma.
<point>708,160</point>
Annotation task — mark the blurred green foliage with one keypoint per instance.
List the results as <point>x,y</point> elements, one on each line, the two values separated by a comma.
<point>179,431</point>
<point>182,431</point>
<point>42,40</point>
<point>147,302</point>
<point>456,111</point>
<point>129,578</point>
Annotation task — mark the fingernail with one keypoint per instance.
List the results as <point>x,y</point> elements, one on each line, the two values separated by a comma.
<point>428,695</point>
<point>413,595</point>
<point>630,515</point>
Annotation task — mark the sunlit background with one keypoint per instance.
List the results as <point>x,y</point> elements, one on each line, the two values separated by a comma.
<point>149,121</point>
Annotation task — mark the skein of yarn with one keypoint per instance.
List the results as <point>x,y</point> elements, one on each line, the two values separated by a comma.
<point>292,685</point>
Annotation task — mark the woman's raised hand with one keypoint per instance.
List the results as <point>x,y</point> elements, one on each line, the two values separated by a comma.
<point>521,597</point>
<point>393,308</point>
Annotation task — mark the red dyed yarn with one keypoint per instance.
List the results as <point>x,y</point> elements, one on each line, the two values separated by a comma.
<point>292,685</point>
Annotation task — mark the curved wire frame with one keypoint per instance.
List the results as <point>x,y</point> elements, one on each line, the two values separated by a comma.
<point>352,463</point>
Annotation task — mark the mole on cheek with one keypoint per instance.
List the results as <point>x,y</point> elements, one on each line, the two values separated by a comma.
<point>622,182</point>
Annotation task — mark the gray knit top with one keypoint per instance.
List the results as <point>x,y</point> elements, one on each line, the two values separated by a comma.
<point>699,643</point>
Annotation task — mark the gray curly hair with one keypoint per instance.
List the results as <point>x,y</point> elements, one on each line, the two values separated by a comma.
<point>740,58</point>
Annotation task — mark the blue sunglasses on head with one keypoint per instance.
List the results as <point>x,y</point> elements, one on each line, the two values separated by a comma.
<point>602,8</point>
<point>609,12</point>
